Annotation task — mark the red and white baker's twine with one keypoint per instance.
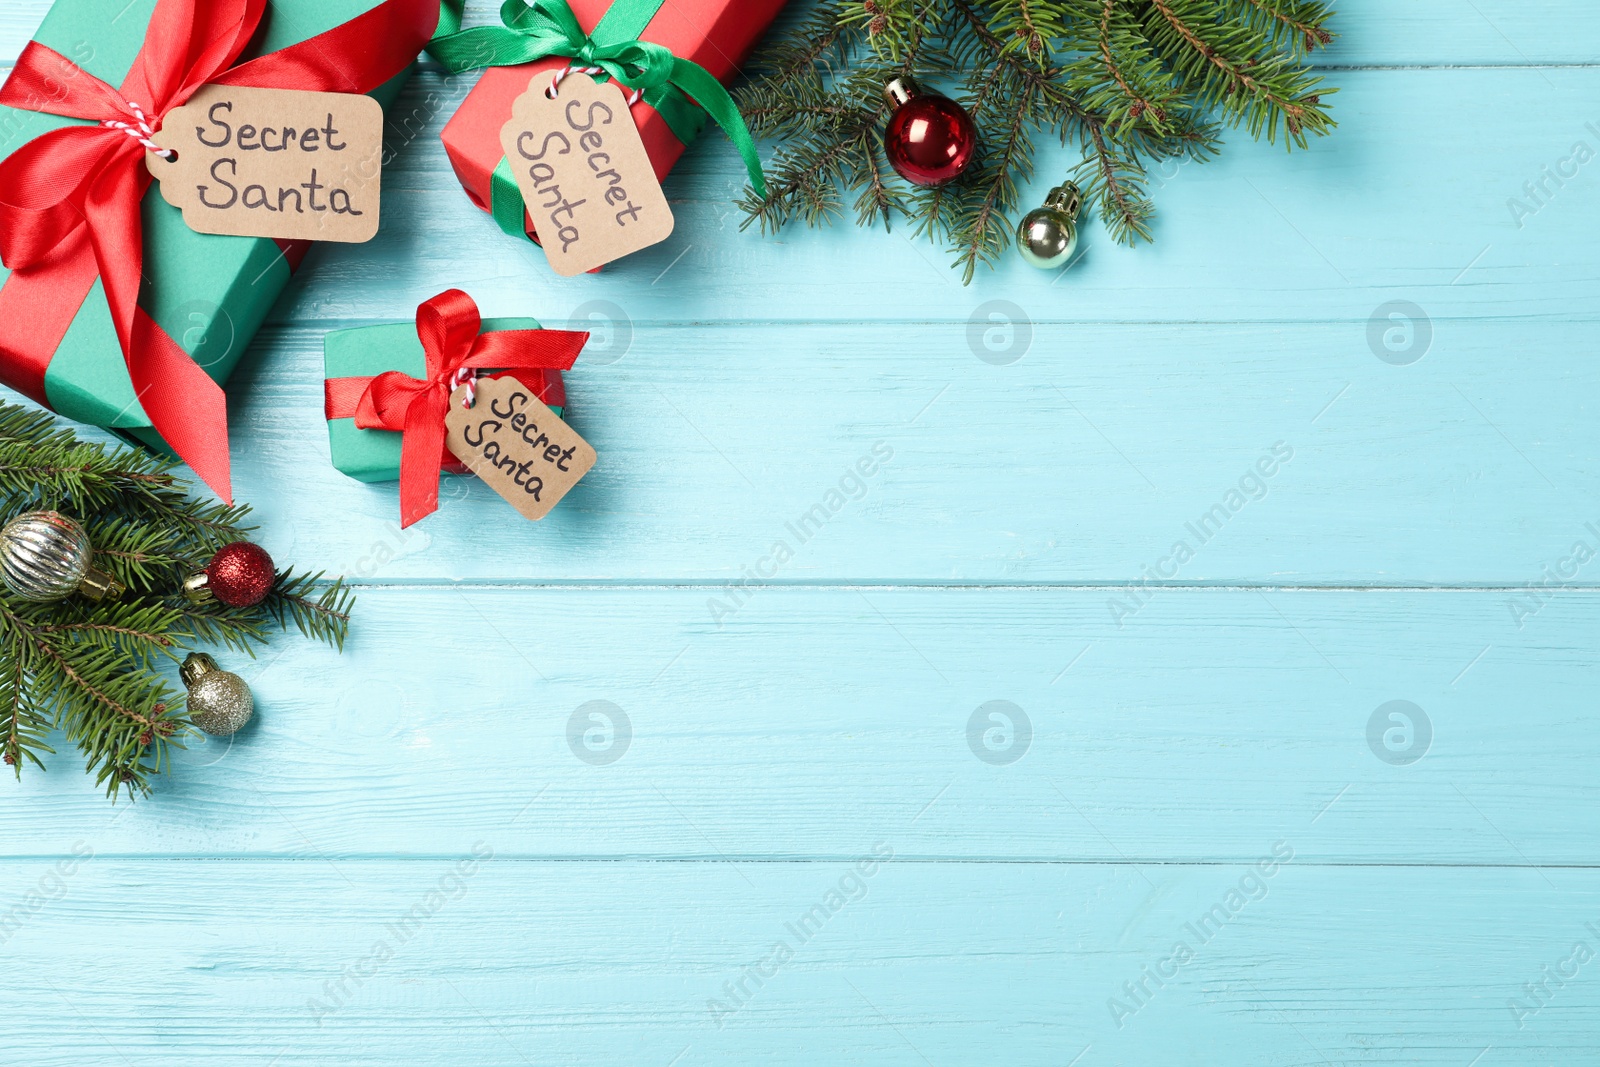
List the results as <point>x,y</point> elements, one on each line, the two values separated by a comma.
<point>468,377</point>
<point>142,133</point>
<point>555,85</point>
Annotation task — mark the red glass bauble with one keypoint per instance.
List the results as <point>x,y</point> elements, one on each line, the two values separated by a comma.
<point>930,139</point>
<point>240,575</point>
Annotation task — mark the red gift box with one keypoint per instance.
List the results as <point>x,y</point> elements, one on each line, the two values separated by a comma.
<point>717,34</point>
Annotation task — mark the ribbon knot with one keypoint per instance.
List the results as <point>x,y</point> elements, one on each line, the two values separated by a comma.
<point>454,352</point>
<point>560,75</point>
<point>550,28</point>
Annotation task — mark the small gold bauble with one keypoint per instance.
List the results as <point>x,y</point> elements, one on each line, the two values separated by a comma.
<point>1048,235</point>
<point>219,701</point>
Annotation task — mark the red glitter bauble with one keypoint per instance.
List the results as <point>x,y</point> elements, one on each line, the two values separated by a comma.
<point>240,575</point>
<point>930,140</point>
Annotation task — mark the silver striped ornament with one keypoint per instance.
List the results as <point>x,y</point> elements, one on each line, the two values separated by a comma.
<point>44,556</point>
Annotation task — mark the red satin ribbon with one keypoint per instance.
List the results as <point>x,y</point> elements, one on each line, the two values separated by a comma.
<point>448,326</point>
<point>69,199</point>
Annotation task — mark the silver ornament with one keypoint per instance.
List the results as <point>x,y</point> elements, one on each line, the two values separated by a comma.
<point>219,701</point>
<point>44,556</point>
<point>1048,235</point>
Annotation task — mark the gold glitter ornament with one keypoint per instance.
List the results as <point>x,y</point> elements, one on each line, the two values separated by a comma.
<point>219,701</point>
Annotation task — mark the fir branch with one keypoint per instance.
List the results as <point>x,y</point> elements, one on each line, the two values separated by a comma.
<point>1119,75</point>
<point>878,198</point>
<point>25,723</point>
<point>982,231</point>
<point>796,63</point>
<point>99,671</point>
<point>110,632</point>
<point>319,609</point>
<point>1229,67</point>
<point>102,698</point>
<point>241,629</point>
<point>1115,181</point>
<point>1028,26</point>
<point>1132,82</point>
<point>1297,24</point>
<point>1139,102</point>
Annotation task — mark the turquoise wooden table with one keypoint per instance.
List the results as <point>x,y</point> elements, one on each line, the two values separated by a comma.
<point>988,770</point>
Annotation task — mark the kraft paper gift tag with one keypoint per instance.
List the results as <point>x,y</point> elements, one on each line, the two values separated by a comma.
<point>517,445</point>
<point>583,172</point>
<point>276,163</point>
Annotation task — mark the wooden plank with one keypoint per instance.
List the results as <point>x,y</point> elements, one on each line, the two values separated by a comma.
<point>1084,461</point>
<point>1407,202</point>
<point>1368,217</point>
<point>1500,32</point>
<point>1446,32</point>
<point>612,963</point>
<point>1174,734</point>
<point>812,720</point>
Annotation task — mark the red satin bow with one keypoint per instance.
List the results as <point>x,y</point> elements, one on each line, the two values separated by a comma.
<point>70,199</point>
<point>449,326</point>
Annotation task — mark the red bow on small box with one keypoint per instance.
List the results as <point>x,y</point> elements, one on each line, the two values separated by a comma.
<point>69,199</point>
<point>449,327</point>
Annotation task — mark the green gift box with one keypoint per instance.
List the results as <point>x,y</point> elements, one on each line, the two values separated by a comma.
<point>209,294</point>
<point>353,357</point>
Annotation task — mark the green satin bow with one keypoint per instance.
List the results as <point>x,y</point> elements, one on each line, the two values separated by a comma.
<point>548,28</point>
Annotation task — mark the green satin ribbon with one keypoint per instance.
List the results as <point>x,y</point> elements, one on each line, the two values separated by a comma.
<point>548,28</point>
<point>450,12</point>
